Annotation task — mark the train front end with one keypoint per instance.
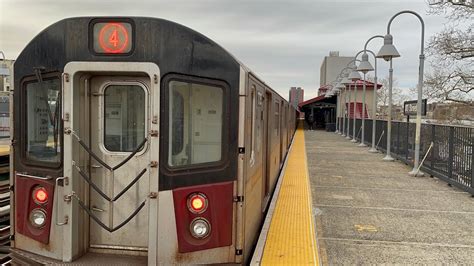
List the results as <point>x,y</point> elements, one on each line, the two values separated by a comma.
<point>125,145</point>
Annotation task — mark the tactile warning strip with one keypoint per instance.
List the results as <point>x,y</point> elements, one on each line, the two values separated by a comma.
<point>291,238</point>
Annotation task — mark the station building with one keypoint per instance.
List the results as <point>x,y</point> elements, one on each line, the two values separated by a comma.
<point>325,110</point>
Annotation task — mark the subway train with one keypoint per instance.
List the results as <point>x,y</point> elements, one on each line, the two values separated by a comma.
<point>139,140</point>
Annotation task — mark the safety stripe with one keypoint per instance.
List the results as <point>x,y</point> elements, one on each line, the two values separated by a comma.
<point>291,238</point>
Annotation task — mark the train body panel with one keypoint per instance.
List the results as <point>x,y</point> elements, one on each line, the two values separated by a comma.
<point>148,140</point>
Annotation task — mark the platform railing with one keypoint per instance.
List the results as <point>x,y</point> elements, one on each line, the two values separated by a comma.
<point>451,158</point>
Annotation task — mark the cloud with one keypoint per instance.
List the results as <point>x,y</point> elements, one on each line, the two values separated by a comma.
<point>284,42</point>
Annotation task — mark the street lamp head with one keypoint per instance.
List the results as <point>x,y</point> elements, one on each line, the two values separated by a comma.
<point>340,86</point>
<point>346,80</point>
<point>354,75</point>
<point>365,65</point>
<point>388,50</point>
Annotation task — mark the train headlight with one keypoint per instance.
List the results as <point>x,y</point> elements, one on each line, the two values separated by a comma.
<point>40,195</point>
<point>200,228</point>
<point>38,218</point>
<point>197,203</point>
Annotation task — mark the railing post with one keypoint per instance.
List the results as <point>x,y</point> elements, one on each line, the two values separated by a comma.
<point>433,127</point>
<point>451,152</point>
<point>408,138</point>
<point>472,157</point>
<point>398,138</point>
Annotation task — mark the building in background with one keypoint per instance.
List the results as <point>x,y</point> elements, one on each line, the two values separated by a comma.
<point>332,66</point>
<point>296,96</point>
<point>6,84</point>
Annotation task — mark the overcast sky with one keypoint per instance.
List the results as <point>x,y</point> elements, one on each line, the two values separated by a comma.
<point>284,42</point>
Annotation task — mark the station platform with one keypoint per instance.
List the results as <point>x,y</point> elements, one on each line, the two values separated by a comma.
<point>338,204</point>
<point>288,234</point>
<point>369,211</point>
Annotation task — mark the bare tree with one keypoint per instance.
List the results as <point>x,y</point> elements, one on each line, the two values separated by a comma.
<point>398,96</point>
<point>451,53</point>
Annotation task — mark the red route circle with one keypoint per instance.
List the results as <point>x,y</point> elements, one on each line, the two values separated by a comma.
<point>104,46</point>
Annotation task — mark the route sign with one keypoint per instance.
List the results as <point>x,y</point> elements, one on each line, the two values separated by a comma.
<point>112,37</point>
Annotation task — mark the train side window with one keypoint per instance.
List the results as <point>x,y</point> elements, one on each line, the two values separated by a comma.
<point>196,119</point>
<point>124,111</point>
<point>43,116</point>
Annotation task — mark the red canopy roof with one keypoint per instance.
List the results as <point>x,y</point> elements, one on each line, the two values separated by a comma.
<point>368,84</point>
<point>359,85</point>
<point>316,99</point>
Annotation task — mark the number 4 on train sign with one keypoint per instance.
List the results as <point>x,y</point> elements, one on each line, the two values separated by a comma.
<point>112,37</point>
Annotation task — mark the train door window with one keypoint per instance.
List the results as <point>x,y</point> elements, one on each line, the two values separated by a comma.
<point>252,123</point>
<point>196,123</point>
<point>259,120</point>
<point>124,114</point>
<point>43,115</point>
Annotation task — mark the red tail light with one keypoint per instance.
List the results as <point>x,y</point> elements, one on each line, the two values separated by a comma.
<point>40,195</point>
<point>197,203</point>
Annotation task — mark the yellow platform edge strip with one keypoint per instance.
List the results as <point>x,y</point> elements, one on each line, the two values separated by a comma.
<point>291,238</point>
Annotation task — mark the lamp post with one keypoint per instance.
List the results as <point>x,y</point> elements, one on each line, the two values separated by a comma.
<point>363,67</point>
<point>388,51</point>
<point>341,86</point>
<point>335,86</point>
<point>338,88</point>
<point>354,76</point>
<point>366,66</point>
<point>345,81</point>
<point>338,106</point>
<point>348,101</point>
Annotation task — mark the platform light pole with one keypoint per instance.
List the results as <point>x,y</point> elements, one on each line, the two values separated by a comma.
<point>342,78</point>
<point>348,101</point>
<point>388,51</point>
<point>346,82</point>
<point>335,86</point>
<point>366,66</point>
<point>354,76</point>
<point>338,88</point>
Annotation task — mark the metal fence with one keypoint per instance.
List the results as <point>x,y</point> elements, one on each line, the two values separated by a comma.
<point>451,158</point>
<point>4,126</point>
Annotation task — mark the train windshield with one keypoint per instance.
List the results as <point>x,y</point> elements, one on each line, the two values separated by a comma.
<point>43,116</point>
<point>196,119</point>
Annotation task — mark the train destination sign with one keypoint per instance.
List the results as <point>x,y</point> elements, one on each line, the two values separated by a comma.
<point>112,37</point>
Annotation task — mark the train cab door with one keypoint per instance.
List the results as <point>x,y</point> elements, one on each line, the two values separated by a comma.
<point>111,154</point>
<point>119,116</point>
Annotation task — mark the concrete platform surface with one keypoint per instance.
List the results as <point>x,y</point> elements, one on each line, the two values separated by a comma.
<point>369,211</point>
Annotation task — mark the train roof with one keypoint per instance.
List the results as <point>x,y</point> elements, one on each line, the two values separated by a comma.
<point>174,47</point>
